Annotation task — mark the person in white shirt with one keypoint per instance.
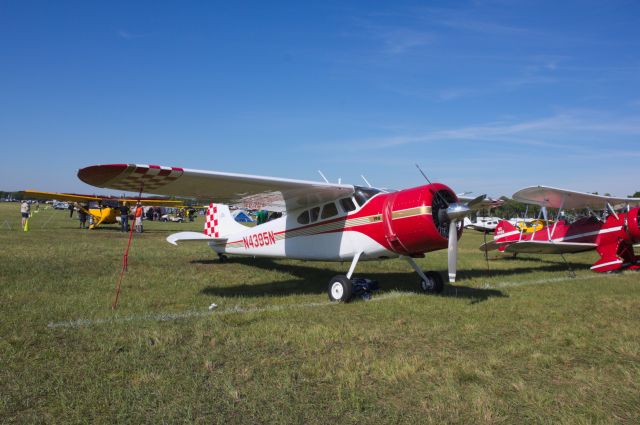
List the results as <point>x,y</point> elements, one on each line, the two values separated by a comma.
<point>25,209</point>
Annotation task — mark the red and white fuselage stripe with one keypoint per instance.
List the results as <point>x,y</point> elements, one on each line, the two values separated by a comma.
<point>333,239</point>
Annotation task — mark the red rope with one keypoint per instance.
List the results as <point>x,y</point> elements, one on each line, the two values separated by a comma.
<point>126,256</point>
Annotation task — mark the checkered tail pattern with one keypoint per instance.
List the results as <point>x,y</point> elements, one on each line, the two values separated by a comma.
<point>211,227</point>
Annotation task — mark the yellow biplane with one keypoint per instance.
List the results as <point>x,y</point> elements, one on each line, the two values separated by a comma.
<point>101,209</point>
<point>533,225</point>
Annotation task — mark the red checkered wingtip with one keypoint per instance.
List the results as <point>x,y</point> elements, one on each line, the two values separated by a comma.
<point>98,175</point>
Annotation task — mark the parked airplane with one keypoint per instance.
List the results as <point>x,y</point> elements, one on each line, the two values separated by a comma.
<point>612,235</point>
<point>103,209</point>
<point>530,225</point>
<point>482,224</point>
<point>321,221</point>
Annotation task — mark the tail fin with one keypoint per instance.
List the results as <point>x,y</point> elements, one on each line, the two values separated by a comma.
<point>220,223</point>
<point>506,232</point>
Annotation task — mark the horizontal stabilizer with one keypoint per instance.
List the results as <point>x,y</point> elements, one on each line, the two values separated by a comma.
<point>190,237</point>
<point>548,247</point>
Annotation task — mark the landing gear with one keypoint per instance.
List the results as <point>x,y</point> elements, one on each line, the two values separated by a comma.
<point>433,284</point>
<point>430,282</point>
<point>222,258</point>
<point>340,289</point>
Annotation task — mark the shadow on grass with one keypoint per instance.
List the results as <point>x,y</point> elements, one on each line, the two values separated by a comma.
<point>312,280</point>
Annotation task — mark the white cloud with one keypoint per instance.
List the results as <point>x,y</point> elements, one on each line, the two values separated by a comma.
<point>556,131</point>
<point>122,33</point>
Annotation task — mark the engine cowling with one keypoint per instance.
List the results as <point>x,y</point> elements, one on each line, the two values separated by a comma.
<point>413,221</point>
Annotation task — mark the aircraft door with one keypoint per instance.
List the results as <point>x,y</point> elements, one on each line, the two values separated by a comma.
<point>387,221</point>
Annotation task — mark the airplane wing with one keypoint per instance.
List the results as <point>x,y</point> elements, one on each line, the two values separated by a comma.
<point>485,203</point>
<point>547,247</point>
<point>568,199</point>
<point>242,190</point>
<point>490,246</point>
<point>67,197</point>
<point>73,197</point>
<point>152,202</point>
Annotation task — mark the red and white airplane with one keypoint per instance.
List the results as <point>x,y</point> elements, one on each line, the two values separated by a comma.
<point>612,236</point>
<point>320,221</point>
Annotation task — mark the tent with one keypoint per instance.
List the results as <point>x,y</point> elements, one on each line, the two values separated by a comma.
<point>242,217</point>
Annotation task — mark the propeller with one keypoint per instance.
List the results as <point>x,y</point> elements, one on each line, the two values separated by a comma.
<point>453,213</point>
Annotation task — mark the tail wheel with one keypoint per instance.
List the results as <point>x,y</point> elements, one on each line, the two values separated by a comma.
<point>340,289</point>
<point>434,283</point>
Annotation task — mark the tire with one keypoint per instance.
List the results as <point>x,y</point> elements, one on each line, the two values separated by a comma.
<point>434,285</point>
<point>340,289</point>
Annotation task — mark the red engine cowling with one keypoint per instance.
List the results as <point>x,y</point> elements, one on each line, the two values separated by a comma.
<point>411,221</point>
<point>633,227</point>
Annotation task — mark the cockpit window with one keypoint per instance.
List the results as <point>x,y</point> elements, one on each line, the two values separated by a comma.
<point>329,210</point>
<point>363,194</point>
<point>347,204</point>
<point>303,218</point>
<point>315,211</point>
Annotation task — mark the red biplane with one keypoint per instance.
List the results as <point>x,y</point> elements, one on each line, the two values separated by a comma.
<point>612,234</point>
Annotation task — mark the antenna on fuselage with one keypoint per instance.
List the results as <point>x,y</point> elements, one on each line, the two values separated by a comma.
<point>365,180</point>
<point>423,174</point>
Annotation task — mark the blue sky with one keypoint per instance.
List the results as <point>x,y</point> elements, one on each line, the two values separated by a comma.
<point>488,96</point>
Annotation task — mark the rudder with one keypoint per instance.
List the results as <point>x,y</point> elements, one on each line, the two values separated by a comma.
<point>506,231</point>
<point>219,222</point>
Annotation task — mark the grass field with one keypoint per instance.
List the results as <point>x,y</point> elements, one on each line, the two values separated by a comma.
<point>522,343</point>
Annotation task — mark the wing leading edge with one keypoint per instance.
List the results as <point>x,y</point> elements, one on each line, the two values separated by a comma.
<point>242,190</point>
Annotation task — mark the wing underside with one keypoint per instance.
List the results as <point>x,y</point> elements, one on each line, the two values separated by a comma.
<point>242,190</point>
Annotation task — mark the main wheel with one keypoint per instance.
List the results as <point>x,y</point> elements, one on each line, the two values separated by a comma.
<point>434,283</point>
<point>340,289</point>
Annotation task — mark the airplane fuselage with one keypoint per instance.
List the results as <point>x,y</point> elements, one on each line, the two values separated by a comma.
<point>384,226</point>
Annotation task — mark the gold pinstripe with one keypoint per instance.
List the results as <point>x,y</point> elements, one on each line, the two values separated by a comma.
<point>410,212</point>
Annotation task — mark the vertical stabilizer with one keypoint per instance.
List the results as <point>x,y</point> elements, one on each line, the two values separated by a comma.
<point>506,232</point>
<point>220,223</point>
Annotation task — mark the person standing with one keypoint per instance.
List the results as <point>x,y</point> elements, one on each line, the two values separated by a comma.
<point>71,207</point>
<point>82,215</point>
<point>124,217</point>
<point>25,210</point>
<point>138,222</point>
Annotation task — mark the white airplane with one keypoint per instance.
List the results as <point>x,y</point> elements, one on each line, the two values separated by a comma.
<point>320,221</point>
<point>482,224</point>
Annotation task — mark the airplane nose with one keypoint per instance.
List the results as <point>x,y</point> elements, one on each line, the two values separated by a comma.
<point>456,211</point>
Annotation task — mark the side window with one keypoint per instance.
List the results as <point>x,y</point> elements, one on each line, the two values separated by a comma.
<point>315,211</point>
<point>347,204</point>
<point>304,218</point>
<point>329,210</point>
